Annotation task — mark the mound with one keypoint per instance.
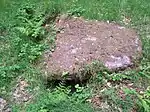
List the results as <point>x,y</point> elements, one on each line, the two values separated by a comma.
<point>80,42</point>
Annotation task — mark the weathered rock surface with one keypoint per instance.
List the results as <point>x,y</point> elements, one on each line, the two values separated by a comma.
<point>80,42</point>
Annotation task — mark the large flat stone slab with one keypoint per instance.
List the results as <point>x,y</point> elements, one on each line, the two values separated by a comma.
<point>80,42</point>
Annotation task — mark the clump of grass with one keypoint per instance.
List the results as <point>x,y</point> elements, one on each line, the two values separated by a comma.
<point>56,100</point>
<point>25,39</point>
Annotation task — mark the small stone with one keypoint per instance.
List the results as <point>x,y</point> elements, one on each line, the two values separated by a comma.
<point>108,84</point>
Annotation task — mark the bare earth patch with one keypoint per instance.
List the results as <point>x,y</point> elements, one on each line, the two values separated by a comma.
<point>80,42</point>
<point>20,94</point>
<point>4,106</point>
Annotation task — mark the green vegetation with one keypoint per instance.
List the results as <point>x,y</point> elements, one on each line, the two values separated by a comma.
<point>24,37</point>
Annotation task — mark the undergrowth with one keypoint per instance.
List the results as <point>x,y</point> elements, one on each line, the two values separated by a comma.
<point>27,30</point>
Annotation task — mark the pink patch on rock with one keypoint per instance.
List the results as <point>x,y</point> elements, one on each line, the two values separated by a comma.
<point>118,62</point>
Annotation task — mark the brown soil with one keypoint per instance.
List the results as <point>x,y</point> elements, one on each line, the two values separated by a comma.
<point>80,42</point>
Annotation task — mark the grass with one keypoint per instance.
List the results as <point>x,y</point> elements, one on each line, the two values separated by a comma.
<point>19,52</point>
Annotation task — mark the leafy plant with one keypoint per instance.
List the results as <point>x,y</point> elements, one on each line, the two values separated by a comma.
<point>57,100</point>
<point>31,23</point>
<point>7,73</point>
<point>77,11</point>
<point>116,103</point>
<point>31,51</point>
<point>118,77</point>
<point>143,101</point>
<point>101,77</point>
<point>81,94</point>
